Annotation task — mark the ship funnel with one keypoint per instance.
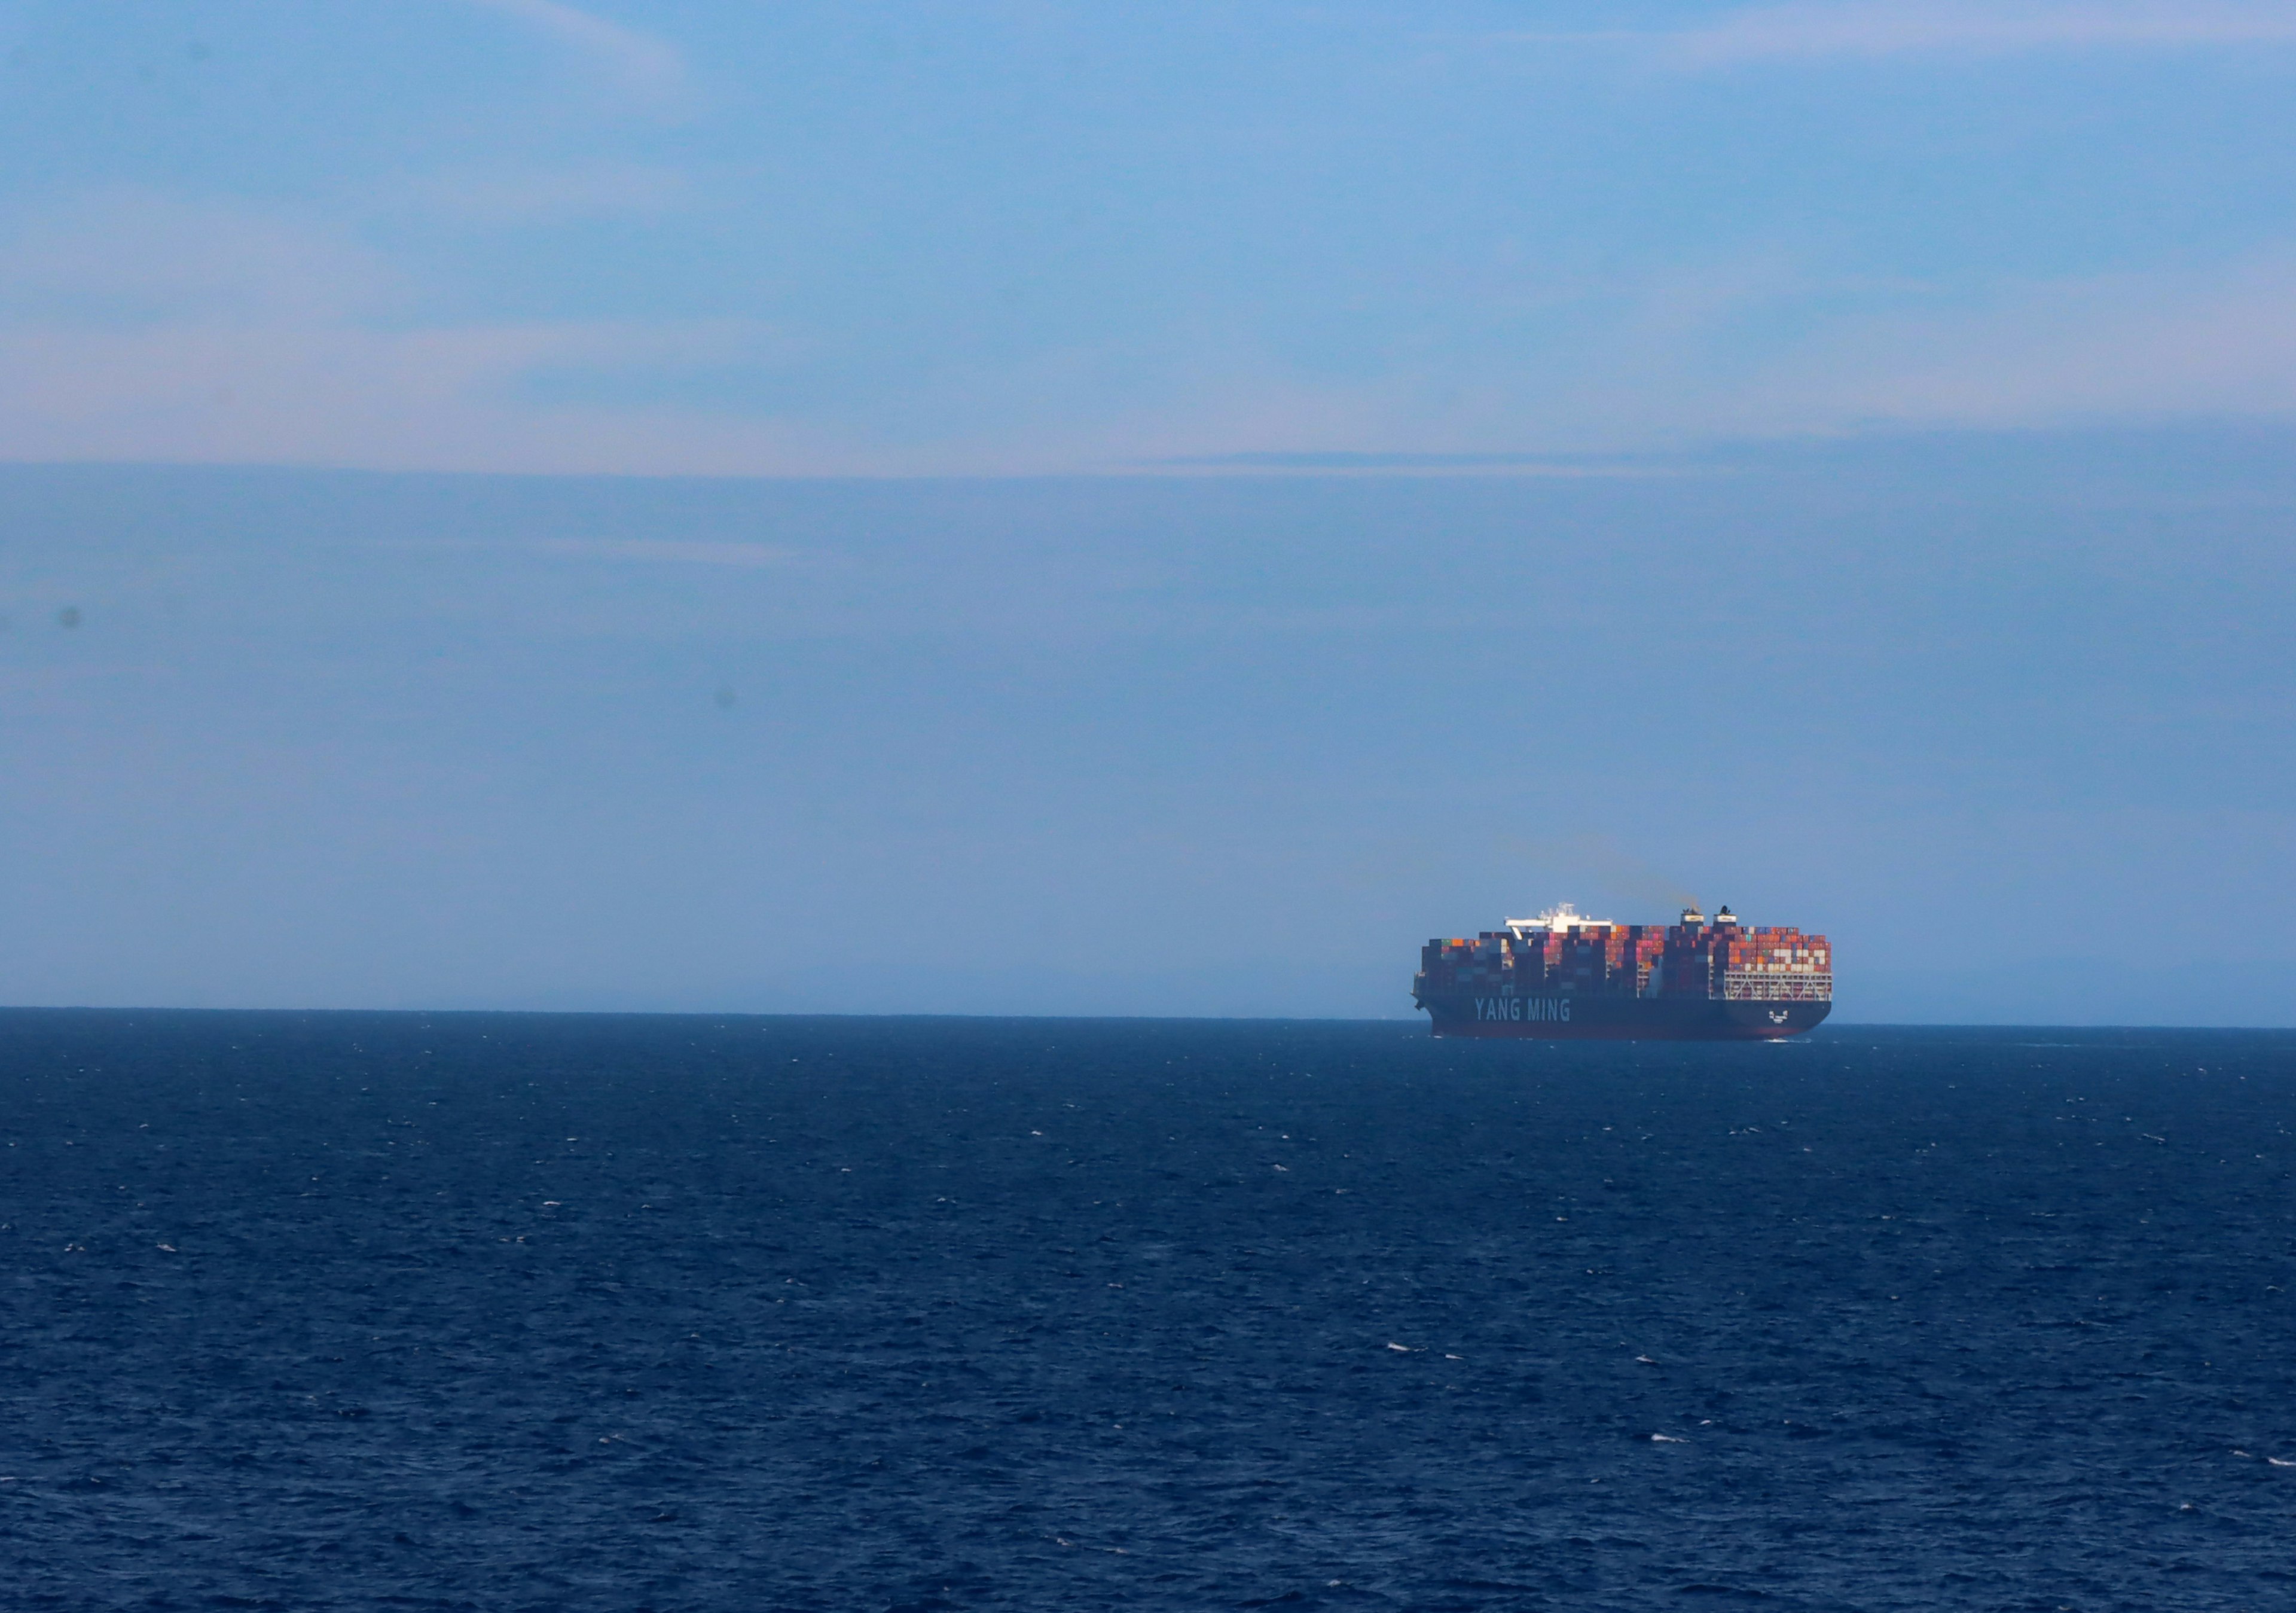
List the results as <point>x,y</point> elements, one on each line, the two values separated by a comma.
<point>1725,916</point>
<point>1692,917</point>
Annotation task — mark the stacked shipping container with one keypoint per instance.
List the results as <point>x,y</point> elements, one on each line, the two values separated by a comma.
<point>1562,952</point>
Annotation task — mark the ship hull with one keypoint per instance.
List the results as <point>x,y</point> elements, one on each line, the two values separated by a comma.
<point>1595,1018</point>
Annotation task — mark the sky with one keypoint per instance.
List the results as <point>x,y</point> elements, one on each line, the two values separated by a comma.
<point>1049,508</point>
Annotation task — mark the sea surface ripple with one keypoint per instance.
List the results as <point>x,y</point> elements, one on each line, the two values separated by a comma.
<point>500,1312</point>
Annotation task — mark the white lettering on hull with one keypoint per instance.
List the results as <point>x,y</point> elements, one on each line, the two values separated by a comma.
<point>1555,1009</point>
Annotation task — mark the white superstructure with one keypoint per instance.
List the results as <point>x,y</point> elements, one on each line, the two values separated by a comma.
<point>1556,920</point>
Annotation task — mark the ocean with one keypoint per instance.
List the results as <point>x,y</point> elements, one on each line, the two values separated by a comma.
<point>510,1312</point>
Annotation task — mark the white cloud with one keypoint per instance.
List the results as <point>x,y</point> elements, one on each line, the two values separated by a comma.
<point>1881,28</point>
<point>640,63</point>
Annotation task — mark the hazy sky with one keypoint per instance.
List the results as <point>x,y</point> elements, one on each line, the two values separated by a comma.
<point>1046,507</point>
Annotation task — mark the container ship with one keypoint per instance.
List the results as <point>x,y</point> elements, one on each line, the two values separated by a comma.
<point>1563,976</point>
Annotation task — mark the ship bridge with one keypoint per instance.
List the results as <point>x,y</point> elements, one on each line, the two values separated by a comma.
<point>1555,920</point>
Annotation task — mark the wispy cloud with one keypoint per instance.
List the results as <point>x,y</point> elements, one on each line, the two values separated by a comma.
<point>127,257</point>
<point>136,326</point>
<point>2218,342</point>
<point>1806,31</point>
<point>1672,366</point>
<point>1883,27</point>
<point>639,62</point>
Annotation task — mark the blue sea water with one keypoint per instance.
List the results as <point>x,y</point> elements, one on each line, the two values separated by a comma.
<point>397,1311</point>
